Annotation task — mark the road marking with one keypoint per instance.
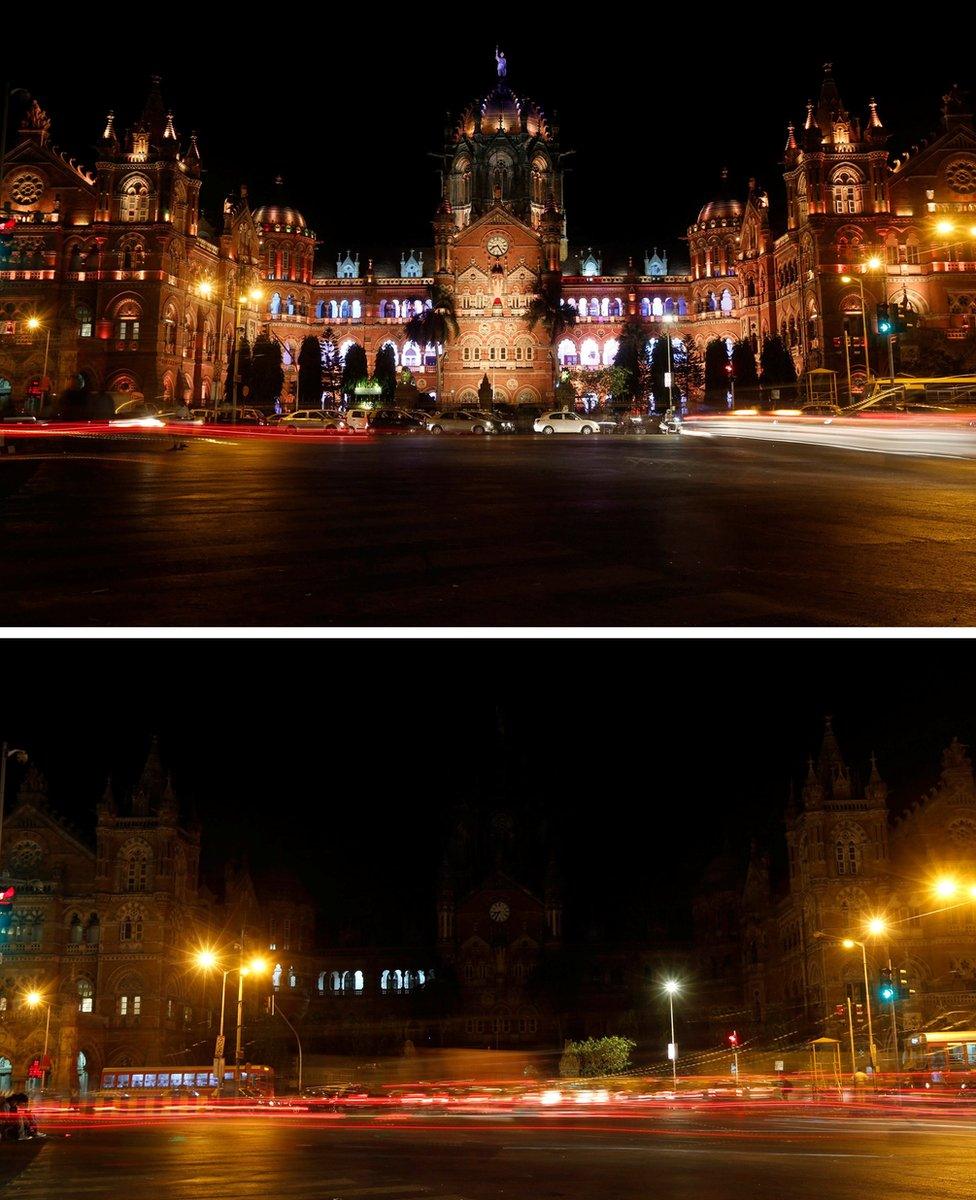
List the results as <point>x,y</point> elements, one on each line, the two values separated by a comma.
<point>712,1150</point>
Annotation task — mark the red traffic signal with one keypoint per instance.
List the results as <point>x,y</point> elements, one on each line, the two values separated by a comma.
<point>7,895</point>
<point>734,1040</point>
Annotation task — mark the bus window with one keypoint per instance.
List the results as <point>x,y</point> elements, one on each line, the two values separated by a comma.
<point>177,1079</point>
<point>164,1078</point>
<point>137,1081</point>
<point>123,1081</point>
<point>110,1080</point>
<point>203,1078</point>
<point>212,1080</point>
<point>150,1080</point>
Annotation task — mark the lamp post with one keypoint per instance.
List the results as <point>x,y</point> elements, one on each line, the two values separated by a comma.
<point>671,986</point>
<point>864,322</point>
<point>7,752</point>
<point>849,944</point>
<point>255,294</point>
<point>275,1009</point>
<point>34,323</point>
<point>207,960</point>
<point>877,926</point>
<point>669,319</point>
<point>33,1000</point>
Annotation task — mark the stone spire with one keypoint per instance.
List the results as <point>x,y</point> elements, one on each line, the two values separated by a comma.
<point>150,786</point>
<point>792,149</point>
<point>106,806</point>
<point>876,791</point>
<point>169,133</point>
<point>110,139</point>
<point>153,117</point>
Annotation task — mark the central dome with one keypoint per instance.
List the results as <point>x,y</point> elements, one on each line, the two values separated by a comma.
<point>280,219</point>
<point>503,111</point>
<point>723,207</point>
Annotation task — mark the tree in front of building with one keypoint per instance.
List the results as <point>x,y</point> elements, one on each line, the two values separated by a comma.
<point>744,370</point>
<point>605,383</point>
<point>595,1057</point>
<point>355,369</point>
<point>634,356</point>
<point>267,374</point>
<point>778,367</point>
<point>243,372</point>
<point>385,371</point>
<point>435,327</point>
<point>331,367</point>
<point>718,369</point>
<point>549,312</point>
<point>689,367</point>
<point>310,373</point>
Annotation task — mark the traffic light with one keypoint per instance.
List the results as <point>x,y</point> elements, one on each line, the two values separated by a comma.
<point>897,318</point>
<point>905,990</point>
<point>6,911</point>
<point>734,1040</point>
<point>886,989</point>
<point>6,238</point>
<point>884,319</point>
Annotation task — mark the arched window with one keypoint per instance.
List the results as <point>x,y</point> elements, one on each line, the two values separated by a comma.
<point>83,316</point>
<point>357,310</point>
<point>128,997</point>
<point>333,310</point>
<point>645,307</point>
<point>86,995</point>
<point>127,322</point>
<point>75,930</point>
<point>135,869</point>
<point>590,353</point>
<point>604,307</point>
<point>610,348</point>
<point>290,305</point>
<point>320,309</point>
<point>385,981</point>
<point>396,352</point>
<point>411,355</point>
<point>292,978</point>
<point>358,980</point>
<point>727,303</point>
<point>276,977</point>
<point>345,310</point>
<point>846,185</point>
<point>657,307</point>
<point>275,305</point>
<point>616,307</point>
<point>92,929</point>
<point>134,203</point>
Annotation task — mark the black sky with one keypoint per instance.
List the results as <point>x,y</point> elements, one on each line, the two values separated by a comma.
<point>347,108</point>
<point>340,762</point>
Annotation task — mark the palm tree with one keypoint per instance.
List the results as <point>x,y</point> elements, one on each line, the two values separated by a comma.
<point>435,326</point>
<point>549,310</point>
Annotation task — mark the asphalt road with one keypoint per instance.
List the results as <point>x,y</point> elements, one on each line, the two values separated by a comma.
<point>783,1156</point>
<point>515,531</point>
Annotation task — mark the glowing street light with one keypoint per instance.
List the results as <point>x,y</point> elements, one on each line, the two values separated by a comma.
<point>849,943</point>
<point>672,988</point>
<point>864,327</point>
<point>877,926</point>
<point>946,887</point>
<point>208,960</point>
<point>33,1000</point>
<point>33,324</point>
<point>256,296</point>
<point>205,289</point>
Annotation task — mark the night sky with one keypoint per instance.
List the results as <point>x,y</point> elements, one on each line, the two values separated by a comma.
<point>339,762</point>
<point>347,109</point>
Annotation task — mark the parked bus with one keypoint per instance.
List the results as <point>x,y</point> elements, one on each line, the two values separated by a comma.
<point>253,1081</point>
<point>941,1051</point>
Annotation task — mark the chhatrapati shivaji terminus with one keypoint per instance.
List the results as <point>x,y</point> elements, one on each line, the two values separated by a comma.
<point>118,271</point>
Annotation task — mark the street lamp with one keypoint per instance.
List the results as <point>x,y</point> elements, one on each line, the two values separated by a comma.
<point>669,319</point>
<point>7,752</point>
<point>849,943</point>
<point>33,999</point>
<point>33,324</point>
<point>671,986</point>
<point>207,960</point>
<point>878,927</point>
<point>864,326</point>
<point>256,295</point>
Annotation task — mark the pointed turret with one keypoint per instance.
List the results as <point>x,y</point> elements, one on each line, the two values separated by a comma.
<point>150,786</point>
<point>169,133</point>
<point>33,788</point>
<point>812,136</point>
<point>792,151</point>
<point>876,791</point>
<point>813,793</point>
<point>957,770</point>
<point>154,118</point>
<point>110,139</point>
<point>106,805</point>
<point>168,807</point>
<point>756,893</point>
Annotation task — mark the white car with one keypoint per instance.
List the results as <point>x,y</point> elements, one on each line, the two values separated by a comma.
<point>460,420</point>
<point>310,418</point>
<point>565,422</point>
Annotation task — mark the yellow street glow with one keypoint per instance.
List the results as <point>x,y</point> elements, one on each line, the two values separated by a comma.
<point>877,925</point>
<point>671,986</point>
<point>944,227</point>
<point>206,959</point>
<point>848,943</point>
<point>33,323</point>
<point>257,965</point>
<point>873,264</point>
<point>205,289</point>
<point>847,279</point>
<point>946,887</point>
<point>33,999</point>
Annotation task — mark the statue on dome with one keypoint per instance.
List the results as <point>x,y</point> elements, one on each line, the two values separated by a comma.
<point>502,63</point>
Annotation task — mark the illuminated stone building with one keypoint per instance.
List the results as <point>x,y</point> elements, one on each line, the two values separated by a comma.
<point>137,290</point>
<point>848,860</point>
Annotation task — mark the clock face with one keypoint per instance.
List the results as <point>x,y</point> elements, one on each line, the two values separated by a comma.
<point>497,245</point>
<point>499,911</point>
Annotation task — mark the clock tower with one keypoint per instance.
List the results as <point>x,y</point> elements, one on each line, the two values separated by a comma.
<point>499,229</point>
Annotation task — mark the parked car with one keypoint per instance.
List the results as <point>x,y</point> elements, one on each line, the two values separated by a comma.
<point>359,418</point>
<point>394,420</point>
<point>460,420</point>
<point>565,422</point>
<point>245,416</point>
<point>309,418</point>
